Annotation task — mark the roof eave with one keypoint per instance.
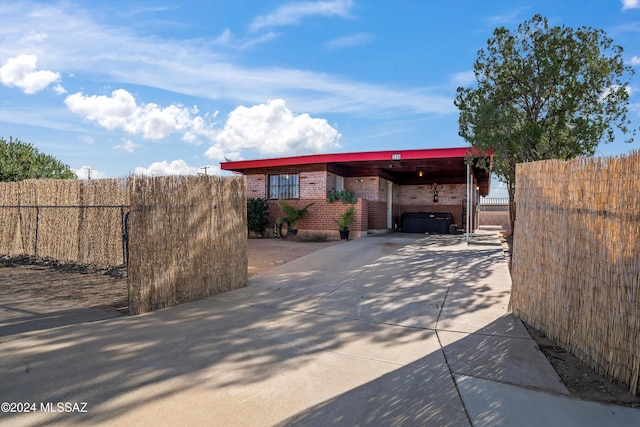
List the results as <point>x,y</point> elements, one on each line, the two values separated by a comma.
<point>431,153</point>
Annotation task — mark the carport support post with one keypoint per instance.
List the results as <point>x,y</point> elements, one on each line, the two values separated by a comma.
<point>468,226</point>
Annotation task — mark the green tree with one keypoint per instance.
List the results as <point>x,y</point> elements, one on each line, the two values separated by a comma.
<point>544,93</point>
<point>21,160</point>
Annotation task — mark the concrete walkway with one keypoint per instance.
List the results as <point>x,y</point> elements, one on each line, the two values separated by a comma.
<point>404,330</point>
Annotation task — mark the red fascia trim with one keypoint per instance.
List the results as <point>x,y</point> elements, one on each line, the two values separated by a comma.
<point>430,153</point>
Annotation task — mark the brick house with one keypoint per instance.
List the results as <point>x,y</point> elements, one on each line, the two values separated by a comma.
<point>390,186</point>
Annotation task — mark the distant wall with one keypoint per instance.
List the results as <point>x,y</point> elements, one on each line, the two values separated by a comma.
<point>494,211</point>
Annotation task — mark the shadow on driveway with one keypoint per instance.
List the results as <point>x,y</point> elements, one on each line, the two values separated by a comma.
<point>379,329</point>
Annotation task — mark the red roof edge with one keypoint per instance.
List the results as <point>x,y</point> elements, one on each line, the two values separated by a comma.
<point>428,153</point>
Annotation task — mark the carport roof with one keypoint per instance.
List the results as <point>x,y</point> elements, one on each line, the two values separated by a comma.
<point>403,167</point>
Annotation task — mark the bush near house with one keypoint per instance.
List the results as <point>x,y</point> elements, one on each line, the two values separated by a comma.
<point>257,215</point>
<point>345,220</point>
<point>345,196</point>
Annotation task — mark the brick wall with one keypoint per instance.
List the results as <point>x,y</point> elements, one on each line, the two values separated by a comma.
<point>377,215</point>
<point>449,194</point>
<point>419,198</point>
<point>373,189</point>
<point>320,218</point>
<point>313,185</point>
<point>256,186</point>
<point>366,187</point>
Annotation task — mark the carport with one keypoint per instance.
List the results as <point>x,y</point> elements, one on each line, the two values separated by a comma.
<point>393,182</point>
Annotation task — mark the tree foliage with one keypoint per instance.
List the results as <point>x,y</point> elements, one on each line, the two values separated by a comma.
<point>21,160</point>
<point>544,93</point>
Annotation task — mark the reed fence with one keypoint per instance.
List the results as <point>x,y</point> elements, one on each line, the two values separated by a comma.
<point>576,259</point>
<point>182,238</point>
<point>70,221</point>
<point>187,239</point>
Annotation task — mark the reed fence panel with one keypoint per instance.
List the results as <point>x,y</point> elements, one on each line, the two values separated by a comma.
<point>576,259</point>
<point>187,239</point>
<point>70,221</point>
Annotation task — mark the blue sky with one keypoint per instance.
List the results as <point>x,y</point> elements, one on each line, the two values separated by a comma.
<point>162,87</point>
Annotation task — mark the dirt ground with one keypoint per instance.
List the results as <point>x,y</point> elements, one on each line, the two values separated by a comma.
<point>107,289</point>
<point>103,288</point>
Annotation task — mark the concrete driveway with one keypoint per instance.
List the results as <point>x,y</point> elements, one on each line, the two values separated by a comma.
<point>395,329</point>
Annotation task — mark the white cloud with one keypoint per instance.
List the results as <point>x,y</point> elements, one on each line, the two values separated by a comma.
<point>121,112</point>
<point>85,46</point>
<point>630,4</point>
<point>115,112</point>
<point>36,36</point>
<point>163,168</point>
<point>228,40</point>
<point>127,145</point>
<point>21,72</point>
<point>272,128</point>
<point>142,10</point>
<point>87,172</point>
<point>217,153</point>
<point>635,60</point>
<point>350,41</point>
<point>507,18</point>
<point>245,44</point>
<point>292,13</point>
<point>464,78</point>
<point>224,38</point>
